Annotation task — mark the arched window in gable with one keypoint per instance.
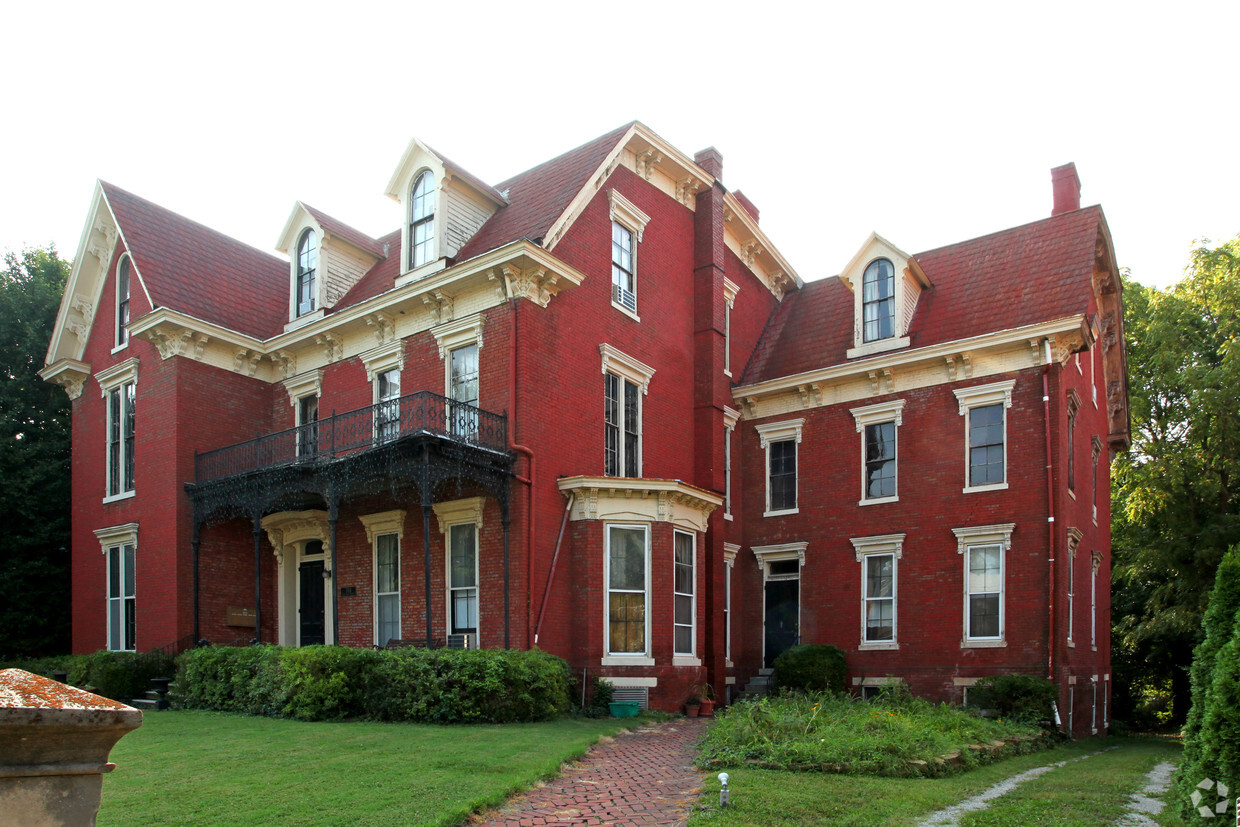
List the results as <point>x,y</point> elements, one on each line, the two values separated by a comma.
<point>307,268</point>
<point>878,300</point>
<point>422,220</point>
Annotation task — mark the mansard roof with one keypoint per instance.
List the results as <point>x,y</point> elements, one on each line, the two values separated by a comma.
<point>1034,273</point>
<point>336,227</point>
<point>189,267</point>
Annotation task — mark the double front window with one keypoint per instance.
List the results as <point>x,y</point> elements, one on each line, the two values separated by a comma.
<point>622,430</point>
<point>121,439</point>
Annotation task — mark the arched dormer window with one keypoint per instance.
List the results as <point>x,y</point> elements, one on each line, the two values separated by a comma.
<point>307,267</point>
<point>122,301</point>
<point>422,220</point>
<point>878,302</point>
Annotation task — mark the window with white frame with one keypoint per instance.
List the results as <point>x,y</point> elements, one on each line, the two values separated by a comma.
<point>1095,562</point>
<point>627,573</point>
<point>460,342</point>
<point>877,425</point>
<point>308,425</point>
<point>878,300</point>
<point>625,381</point>
<point>878,556</point>
<point>1074,540</point>
<point>730,551</point>
<point>119,384</point>
<point>122,300</point>
<point>305,283</point>
<point>385,531</point>
<point>1074,405</point>
<point>779,440</point>
<point>985,410</point>
<point>730,418</point>
<point>730,289</point>
<point>463,578</point>
<point>387,410</point>
<point>685,588</point>
<point>1093,494</point>
<point>984,549</point>
<point>627,225</point>
<point>119,545</point>
<point>422,220</point>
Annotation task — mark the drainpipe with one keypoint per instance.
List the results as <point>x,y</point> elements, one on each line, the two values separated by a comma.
<point>513,446</point>
<point>554,559</point>
<point>1050,511</point>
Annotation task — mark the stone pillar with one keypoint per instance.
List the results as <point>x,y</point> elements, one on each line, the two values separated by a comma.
<point>54,745</point>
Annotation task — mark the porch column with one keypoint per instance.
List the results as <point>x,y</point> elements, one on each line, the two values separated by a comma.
<point>258,579</point>
<point>426,562</point>
<point>333,514</point>
<point>194,544</point>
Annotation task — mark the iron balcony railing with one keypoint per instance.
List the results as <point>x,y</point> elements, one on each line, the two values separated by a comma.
<point>422,413</point>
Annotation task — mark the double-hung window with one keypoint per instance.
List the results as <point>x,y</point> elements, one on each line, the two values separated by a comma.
<point>627,225</point>
<point>625,381</point>
<point>878,556</point>
<point>627,572</point>
<point>385,531</point>
<point>1074,540</point>
<point>306,298</point>
<point>119,545</point>
<point>685,586</point>
<point>463,578</point>
<point>308,425</point>
<point>780,440</point>
<point>387,410</point>
<point>878,300</point>
<point>120,384</point>
<point>1074,405</point>
<point>122,300</point>
<point>984,408</point>
<point>463,390</point>
<point>878,425</point>
<point>422,220</point>
<point>984,549</point>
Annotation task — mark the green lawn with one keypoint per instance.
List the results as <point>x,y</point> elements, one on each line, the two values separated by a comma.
<point>1088,792</point>
<point>214,768</point>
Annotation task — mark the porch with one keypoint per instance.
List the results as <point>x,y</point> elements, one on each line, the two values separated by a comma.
<point>421,449</point>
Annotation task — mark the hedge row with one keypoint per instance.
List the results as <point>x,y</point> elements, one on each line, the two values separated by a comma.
<point>317,683</point>
<point>121,676</point>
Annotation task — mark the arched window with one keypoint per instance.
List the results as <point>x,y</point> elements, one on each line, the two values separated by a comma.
<point>878,302</point>
<point>422,220</point>
<point>122,301</point>
<point>307,266</point>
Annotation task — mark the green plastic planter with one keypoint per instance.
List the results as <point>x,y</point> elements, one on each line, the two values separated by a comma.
<point>623,709</point>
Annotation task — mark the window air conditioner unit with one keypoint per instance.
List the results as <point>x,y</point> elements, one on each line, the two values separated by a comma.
<point>462,641</point>
<point>623,297</point>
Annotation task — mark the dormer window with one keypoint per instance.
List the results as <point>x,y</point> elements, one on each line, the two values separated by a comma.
<point>122,301</point>
<point>878,301</point>
<point>422,220</point>
<point>307,268</point>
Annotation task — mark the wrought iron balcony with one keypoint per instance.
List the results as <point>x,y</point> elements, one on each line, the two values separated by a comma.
<point>421,414</point>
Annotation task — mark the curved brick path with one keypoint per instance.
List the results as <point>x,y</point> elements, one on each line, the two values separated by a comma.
<point>643,776</point>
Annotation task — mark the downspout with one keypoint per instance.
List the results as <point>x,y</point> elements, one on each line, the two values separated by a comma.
<point>529,481</point>
<point>1050,511</point>
<point>542,610</point>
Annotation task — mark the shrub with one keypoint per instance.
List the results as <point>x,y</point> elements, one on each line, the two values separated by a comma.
<point>601,694</point>
<point>1018,697</point>
<point>811,667</point>
<point>121,676</point>
<point>332,682</point>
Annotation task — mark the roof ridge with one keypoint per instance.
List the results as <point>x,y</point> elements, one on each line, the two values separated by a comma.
<point>1006,230</point>
<point>595,140</point>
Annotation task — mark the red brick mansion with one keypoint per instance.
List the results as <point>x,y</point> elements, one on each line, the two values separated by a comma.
<point>594,409</point>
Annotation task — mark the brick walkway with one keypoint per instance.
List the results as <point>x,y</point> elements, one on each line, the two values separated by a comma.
<point>643,776</point>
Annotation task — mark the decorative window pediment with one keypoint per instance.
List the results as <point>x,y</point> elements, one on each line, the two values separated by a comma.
<point>455,512</point>
<point>384,358</point>
<point>997,534</point>
<point>306,384</point>
<point>881,543</point>
<point>780,551</point>
<point>886,283</point>
<point>769,432</point>
<point>626,367</point>
<point>384,522</point>
<point>117,535</point>
<point>119,374</point>
<point>459,333</point>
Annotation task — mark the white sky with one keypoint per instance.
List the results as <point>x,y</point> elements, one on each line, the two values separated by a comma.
<point>930,123</point>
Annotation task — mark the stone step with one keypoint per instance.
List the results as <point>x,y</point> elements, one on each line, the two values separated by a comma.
<point>145,704</point>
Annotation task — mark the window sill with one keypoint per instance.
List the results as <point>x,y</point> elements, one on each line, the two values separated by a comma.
<point>973,489</point>
<point>983,644</point>
<point>880,500</point>
<point>1071,644</point>
<point>880,346</point>
<point>729,664</point>
<point>686,660</point>
<point>420,272</point>
<point>302,321</point>
<point>785,512</point>
<point>626,660</point>
<point>121,347</point>
<point>117,497</point>
<point>729,517</point>
<point>631,314</point>
<point>877,647</point>
<point>1071,493</point>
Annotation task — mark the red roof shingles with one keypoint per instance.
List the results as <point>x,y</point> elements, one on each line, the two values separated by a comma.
<point>333,226</point>
<point>1033,273</point>
<point>378,279</point>
<point>193,269</point>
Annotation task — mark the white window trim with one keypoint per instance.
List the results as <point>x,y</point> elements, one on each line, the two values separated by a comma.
<point>1096,450</point>
<point>624,659</point>
<point>453,513</point>
<point>979,396</point>
<point>881,544</point>
<point>730,418</point>
<point>117,347</point>
<point>1074,540</point>
<point>730,289</point>
<point>689,658</point>
<point>306,384</point>
<point>999,534</point>
<point>435,262</point>
<point>382,359</point>
<point>320,281</point>
<point>459,333</point>
<point>626,367</point>
<point>110,379</point>
<point>117,536</point>
<point>771,432</point>
<point>624,212</point>
<point>378,525</point>
<point>1095,562</point>
<point>892,411</point>
<point>730,551</point>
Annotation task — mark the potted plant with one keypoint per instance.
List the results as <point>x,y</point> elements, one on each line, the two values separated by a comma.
<point>705,694</point>
<point>693,706</point>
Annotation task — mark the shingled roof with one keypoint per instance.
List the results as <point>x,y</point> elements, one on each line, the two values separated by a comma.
<point>191,268</point>
<point>1028,274</point>
<point>336,227</point>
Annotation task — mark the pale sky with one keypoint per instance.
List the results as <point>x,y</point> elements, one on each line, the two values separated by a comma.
<point>929,123</point>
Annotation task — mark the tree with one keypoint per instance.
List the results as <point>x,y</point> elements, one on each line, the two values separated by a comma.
<point>1176,508</point>
<point>34,461</point>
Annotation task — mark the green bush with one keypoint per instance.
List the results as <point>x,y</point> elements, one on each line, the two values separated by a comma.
<point>811,667</point>
<point>1017,697</point>
<point>601,694</point>
<point>317,683</point>
<point>121,676</point>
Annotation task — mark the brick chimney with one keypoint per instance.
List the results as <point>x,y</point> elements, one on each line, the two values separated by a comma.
<point>710,160</point>
<point>1067,188</point>
<point>747,204</point>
